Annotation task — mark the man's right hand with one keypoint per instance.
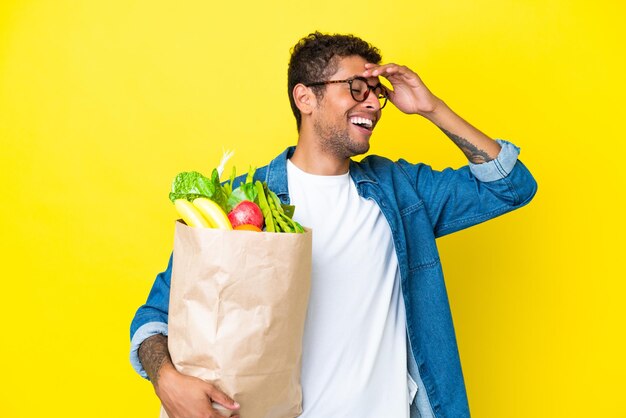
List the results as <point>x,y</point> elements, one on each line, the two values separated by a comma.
<point>185,396</point>
<point>182,396</point>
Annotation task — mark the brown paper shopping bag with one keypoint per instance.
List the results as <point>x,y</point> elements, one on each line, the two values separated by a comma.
<point>237,308</point>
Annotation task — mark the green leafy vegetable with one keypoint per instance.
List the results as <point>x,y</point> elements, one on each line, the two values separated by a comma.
<point>288,210</point>
<point>191,185</point>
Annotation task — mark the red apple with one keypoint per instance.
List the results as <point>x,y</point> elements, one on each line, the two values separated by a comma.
<point>246,212</point>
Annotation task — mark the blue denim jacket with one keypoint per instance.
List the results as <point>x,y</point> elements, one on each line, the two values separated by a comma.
<point>420,204</point>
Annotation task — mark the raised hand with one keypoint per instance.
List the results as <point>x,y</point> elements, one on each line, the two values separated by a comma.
<point>409,93</point>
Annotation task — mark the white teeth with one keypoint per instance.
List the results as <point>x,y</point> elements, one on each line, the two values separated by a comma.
<point>361,121</point>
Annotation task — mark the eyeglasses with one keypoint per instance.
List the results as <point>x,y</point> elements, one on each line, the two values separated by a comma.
<point>359,89</point>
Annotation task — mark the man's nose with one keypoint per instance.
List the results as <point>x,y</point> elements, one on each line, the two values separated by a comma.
<point>371,102</point>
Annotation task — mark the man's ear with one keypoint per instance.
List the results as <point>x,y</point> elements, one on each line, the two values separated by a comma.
<point>304,99</point>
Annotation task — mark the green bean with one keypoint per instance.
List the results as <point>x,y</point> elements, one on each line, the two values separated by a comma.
<point>265,207</point>
<point>278,222</point>
<point>276,200</point>
<point>285,225</point>
<point>294,226</point>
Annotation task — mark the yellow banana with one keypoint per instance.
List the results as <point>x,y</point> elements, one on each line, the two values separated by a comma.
<point>213,213</point>
<point>190,214</point>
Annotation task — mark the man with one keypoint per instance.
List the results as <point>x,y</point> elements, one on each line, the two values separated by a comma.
<point>379,339</point>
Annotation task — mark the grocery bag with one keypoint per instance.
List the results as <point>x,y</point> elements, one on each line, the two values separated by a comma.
<point>238,303</point>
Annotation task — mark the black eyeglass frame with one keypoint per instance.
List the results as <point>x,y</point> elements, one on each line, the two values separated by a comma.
<point>349,81</point>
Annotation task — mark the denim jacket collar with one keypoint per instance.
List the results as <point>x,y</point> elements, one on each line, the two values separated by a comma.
<point>276,175</point>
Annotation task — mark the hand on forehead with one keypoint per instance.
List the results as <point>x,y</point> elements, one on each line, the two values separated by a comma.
<point>355,66</point>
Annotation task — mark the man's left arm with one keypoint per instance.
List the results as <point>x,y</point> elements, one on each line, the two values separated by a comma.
<point>455,200</point>
<point>410,95</point>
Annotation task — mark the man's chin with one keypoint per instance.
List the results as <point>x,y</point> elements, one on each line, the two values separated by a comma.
<point>346,147</point>
<point>358,148</point>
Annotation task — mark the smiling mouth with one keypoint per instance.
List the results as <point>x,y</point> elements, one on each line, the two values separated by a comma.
<point>362,122</point>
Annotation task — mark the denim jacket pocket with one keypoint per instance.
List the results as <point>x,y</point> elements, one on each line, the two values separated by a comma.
<point>420,239</point>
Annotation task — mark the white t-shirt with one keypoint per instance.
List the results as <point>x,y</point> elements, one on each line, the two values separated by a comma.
<point>354,348</point>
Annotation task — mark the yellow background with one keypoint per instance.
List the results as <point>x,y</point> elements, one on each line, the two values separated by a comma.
<point>103,102</point>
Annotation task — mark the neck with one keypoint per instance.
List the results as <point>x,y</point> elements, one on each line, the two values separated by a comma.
<point>311,158</point>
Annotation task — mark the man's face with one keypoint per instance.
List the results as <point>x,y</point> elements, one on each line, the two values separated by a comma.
<point>338,118</point>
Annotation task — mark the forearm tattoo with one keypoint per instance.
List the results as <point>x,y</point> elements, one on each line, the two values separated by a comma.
<point>153,354</point>
<point>474,154</point>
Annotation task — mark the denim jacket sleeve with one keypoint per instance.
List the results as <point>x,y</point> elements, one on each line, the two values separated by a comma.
<point>151,317</point>
<point>457,199</point>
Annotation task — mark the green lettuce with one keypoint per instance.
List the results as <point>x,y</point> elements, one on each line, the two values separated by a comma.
<point>191,185</point>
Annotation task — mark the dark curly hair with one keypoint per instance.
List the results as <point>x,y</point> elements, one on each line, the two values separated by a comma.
<point>316,57</point>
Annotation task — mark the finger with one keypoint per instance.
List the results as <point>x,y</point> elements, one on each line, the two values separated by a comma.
<point>391,72</point>
<point>371,66</point>
<point>221,398</point>
<point>221,410</point>
<point>220,414</point>
<point>216,414</point>
<point>395,71</point>
<point>378,69</point>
